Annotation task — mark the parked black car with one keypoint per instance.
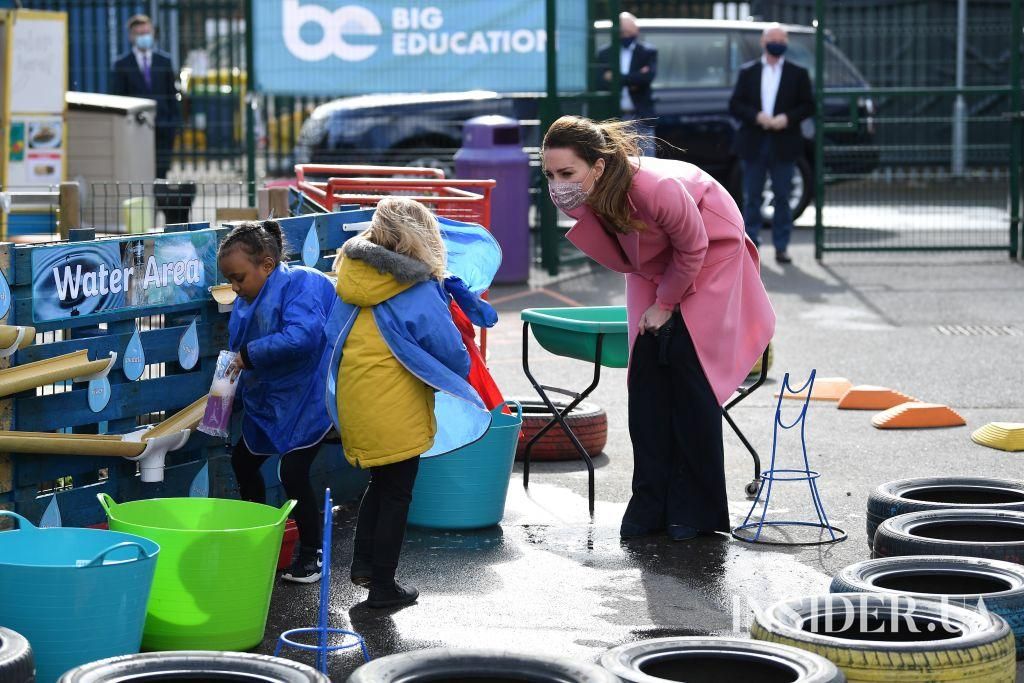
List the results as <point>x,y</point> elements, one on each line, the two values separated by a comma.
<point>698,62</point>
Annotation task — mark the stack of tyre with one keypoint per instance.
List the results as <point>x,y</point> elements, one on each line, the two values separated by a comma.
<point>942,597</point>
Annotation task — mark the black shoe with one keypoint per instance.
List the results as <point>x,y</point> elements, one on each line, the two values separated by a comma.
<point>395,595</point>
<point>306,568</point>
<point>631,530</point>
<point>361,574</point>
<point>783,257</point>
<point>680,532</point>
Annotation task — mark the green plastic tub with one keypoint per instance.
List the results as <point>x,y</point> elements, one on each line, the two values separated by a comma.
<point>218,559</point>
<point>572,332</point>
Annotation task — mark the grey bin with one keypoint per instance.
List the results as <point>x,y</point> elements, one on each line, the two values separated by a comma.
<point>110,139</point>
<point>492,149</point>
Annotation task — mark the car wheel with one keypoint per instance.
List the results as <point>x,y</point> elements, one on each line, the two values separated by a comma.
<point>938,493</point>
<point>443,664</point>
<point>893,638</point>
<point>964,533</point>
<point>963,581</point>
<point>799,197</point>
<point>194,665</point>
<point>717,659</point>
<point>16,663</point>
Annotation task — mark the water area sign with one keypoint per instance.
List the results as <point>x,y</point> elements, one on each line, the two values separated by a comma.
<point>71,281</point>
<point>340,47</point>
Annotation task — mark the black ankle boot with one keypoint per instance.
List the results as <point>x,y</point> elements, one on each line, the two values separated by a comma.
<point>395,595</point>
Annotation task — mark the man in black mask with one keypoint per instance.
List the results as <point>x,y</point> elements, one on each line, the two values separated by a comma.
<point>638,64</point>
<point>771,99</point>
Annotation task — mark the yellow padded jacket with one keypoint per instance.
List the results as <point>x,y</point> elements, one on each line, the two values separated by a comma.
<point>385,412</point>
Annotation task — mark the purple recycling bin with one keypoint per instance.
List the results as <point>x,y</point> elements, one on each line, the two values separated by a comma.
<point>491,148</point>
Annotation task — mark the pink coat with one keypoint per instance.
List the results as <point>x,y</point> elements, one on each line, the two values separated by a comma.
<point>694,253</point>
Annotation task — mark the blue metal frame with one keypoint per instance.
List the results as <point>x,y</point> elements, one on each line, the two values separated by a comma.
<point>771,475</point>
<point>322,629</point>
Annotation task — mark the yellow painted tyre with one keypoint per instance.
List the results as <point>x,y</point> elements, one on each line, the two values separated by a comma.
<point>931,642</point>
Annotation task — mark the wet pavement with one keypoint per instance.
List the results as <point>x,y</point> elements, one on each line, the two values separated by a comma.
<point>551,580</point>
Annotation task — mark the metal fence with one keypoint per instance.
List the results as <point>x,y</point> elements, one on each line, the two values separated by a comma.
<point>941,168</point>
<point>121,208</point>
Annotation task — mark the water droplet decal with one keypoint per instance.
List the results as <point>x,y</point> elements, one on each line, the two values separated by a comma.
<point>99,394</point>
<point>134,357</point>
<point>51,517</point>
<point>311,248</point>
<point>200,487</point>
<point>188,347</point>
<point>5,296</point>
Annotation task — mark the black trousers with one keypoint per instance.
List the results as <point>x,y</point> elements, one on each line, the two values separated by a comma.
<point>675,423</point>
<point>383,512</point>
<point>294,469</point>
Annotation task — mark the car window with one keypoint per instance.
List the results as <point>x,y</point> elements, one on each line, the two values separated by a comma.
<point>691,59</point>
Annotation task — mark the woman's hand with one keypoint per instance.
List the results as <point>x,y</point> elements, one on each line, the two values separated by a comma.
<point>654,318</point>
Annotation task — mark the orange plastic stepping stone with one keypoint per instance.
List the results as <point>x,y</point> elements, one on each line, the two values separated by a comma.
<point>867,397</point>
<point>916,415</point>
<point>825,389</point>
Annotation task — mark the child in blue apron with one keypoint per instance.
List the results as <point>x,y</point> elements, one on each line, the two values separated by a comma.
<point>277,327</point>
<point>398,388</point>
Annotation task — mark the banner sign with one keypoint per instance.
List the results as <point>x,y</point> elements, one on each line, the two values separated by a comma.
<point>72,281</point>
<point>341,47</point>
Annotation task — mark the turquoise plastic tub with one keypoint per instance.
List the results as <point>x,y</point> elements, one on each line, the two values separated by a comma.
<point>77,595</point>
<point>466,489</point>
<point>572,332</point>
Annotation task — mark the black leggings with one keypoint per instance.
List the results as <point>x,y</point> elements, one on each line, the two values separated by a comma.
<point>294,471</point>
<point>383,512</point>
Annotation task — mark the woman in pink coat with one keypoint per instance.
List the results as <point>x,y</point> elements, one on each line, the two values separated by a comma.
<point>699,316</point>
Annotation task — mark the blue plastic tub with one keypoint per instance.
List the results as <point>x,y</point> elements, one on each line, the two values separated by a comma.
<point>77,595</point>
<point>466,489</point>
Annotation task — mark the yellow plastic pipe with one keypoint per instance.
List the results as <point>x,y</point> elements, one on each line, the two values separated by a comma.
<point>186,418</point>
<point>9,336</point>
<point>69,366</point>
<point>69,444</point>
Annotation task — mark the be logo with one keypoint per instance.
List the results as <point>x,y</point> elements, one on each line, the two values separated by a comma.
<point>350,20</point>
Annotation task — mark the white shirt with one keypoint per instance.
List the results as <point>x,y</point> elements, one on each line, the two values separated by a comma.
<point>625,62</point>
<point>771,76</point>
<point>143,57</point>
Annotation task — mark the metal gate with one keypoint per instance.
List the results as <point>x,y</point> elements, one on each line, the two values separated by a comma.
<point>937,162</point>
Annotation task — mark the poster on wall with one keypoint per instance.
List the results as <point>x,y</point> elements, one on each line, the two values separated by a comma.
<point>36,150</point>
<point>16,147</point>
<point>72,281</point>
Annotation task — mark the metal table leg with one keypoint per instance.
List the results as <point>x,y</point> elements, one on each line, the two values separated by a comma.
<point>751,488</point>
<point>559,416</point>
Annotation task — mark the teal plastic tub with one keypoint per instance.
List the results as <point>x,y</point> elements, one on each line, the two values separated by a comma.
<point>77,595</point>
<point>466,489</point>
<point>572,332</point>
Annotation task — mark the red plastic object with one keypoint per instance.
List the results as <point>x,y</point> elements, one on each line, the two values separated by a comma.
<point>291,537</point>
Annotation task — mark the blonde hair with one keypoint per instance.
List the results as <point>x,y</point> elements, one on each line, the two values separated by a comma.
<point>406,227</point>
<point>613,141</point>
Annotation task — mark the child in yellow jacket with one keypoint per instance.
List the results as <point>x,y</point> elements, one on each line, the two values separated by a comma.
<point>398,354</point>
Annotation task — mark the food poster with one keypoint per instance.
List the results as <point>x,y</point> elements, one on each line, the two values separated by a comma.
<point>36,151</point>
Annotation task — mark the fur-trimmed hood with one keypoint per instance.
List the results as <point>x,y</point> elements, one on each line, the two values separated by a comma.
<point>369,273</point>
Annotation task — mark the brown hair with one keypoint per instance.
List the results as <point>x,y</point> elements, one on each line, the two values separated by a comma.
<point>613,141</point>
<point>138,19</point>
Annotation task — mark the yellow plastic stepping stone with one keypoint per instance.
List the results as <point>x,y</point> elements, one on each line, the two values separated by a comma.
<point>867,397</point>
<point>825,389</point>
<point>916,415</point>
<point>1004,436</point>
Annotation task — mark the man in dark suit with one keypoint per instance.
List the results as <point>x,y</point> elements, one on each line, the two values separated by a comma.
<point>145,72</point>
<point>772,97</point>
<point>638,64</point>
